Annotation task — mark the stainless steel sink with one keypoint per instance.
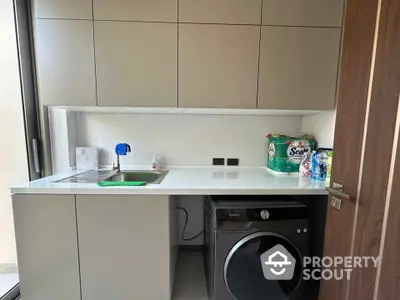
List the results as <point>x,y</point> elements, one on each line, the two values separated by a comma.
<point>91,176</point>
<point>153,177</point>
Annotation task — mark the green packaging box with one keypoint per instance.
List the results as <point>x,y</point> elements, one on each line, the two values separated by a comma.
<point>286,152</point>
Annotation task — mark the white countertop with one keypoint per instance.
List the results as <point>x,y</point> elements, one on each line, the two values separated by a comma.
<point>189,181</point>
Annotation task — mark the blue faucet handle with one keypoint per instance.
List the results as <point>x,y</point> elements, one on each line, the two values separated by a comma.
<point>122,149</point>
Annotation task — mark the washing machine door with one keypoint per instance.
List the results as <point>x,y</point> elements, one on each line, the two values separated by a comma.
<point>243,273</point>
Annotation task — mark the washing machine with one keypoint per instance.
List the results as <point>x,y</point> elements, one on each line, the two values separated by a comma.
<point>238,231</point>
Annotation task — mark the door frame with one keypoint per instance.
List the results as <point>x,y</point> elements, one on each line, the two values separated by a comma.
<point>30,100</point>
<point>30,104</point>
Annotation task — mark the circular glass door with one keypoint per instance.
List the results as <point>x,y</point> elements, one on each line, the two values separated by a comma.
<point>243,269</point>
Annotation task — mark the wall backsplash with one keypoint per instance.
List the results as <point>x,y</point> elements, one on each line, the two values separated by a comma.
<point>182,140</point>
<point>322,126</point>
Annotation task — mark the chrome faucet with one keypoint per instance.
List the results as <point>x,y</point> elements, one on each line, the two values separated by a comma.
<point>120,149</point>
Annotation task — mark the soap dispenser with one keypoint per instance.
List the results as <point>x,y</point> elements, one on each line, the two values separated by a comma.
<point>154,163</point>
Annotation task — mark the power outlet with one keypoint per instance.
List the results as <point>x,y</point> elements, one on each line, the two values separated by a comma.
<point>233,161</point>
<point>218,161</point>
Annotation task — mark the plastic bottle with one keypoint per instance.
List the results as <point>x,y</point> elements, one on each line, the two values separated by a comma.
<point>320,163</point>
<point>305,165</point>
<point>329,170</point>
<point>154,163</point>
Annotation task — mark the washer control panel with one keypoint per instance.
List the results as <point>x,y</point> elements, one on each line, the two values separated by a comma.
<point>261,214</point>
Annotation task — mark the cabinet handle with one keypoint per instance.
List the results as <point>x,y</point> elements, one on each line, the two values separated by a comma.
<point>338,193</point>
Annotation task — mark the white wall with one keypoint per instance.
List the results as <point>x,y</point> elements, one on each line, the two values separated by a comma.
<point>322,126</point>
<point>63,139</point>
<point>195,208</point>
<point>13,167</point>
<point>182,140</point>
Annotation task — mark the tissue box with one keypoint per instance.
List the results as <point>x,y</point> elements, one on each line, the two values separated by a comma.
<point>87,158</point>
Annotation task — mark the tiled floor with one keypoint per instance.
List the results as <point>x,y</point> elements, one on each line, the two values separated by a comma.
<point>190,280</point>
<point>8,278</point>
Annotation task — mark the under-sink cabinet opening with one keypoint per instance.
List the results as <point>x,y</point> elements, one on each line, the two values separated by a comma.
<point>225,264</point>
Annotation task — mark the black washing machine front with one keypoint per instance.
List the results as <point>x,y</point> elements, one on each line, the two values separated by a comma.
<point>243,236</point>
<point>243,273</point>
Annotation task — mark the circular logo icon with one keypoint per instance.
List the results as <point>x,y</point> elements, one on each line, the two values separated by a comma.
<point>265,214</point>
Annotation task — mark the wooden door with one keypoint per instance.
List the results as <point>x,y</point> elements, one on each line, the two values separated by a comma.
<point>380,147</point>
<point>387,285</point>
<point>364,150</point>
<point>359,29</point>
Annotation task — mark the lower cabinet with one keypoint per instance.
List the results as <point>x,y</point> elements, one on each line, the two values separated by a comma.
<point>124,246</point>
<point>45,230</point>
<point>95,247</point>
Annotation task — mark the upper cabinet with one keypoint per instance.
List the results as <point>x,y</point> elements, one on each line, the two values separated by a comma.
<point>66,9</point>
<point>218,66</point>
<point>323,13</point>
<point>136,64</point>
<point>220,11</point>
<point>270,54</point>
<point>136,10</point>
<point>65,62</point>
<point>298,67</point>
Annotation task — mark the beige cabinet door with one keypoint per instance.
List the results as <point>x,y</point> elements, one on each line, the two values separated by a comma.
<point>220,11</point>
<point>47,246</point>
<point>136,64</point>
<point>67,9</point>
<point>136,10</point>
<point>326,13</point>
<point>218,66</point>
<point>65,62</point>
<point>298,68</point>
<point>124,246</point>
